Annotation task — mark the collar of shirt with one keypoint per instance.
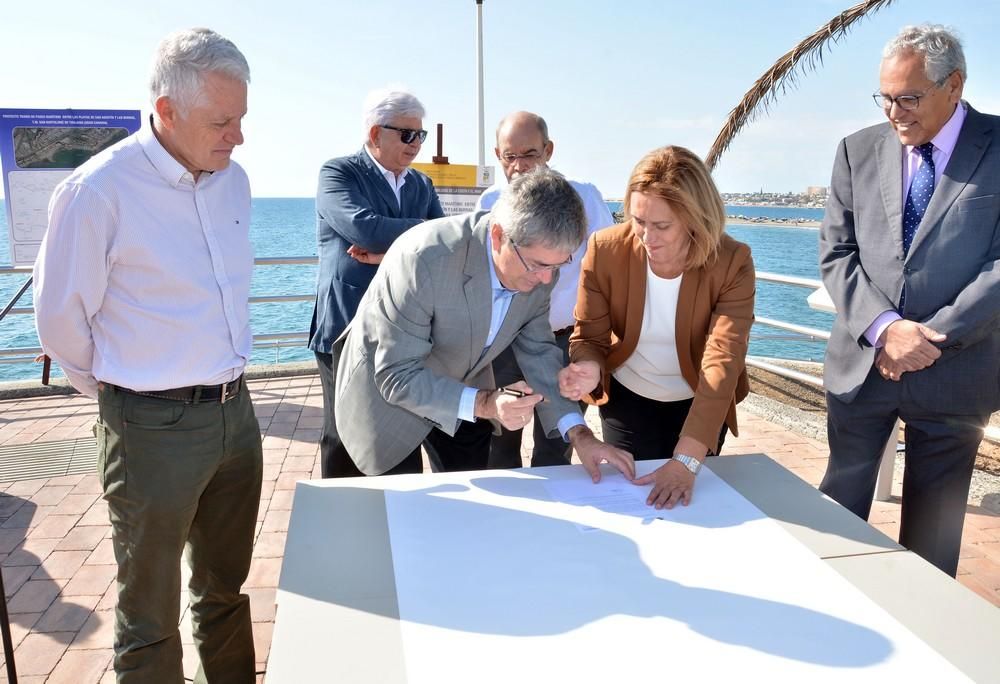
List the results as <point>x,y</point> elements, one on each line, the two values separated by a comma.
<point>395,183</point>
<point>171,170</point>
<point>944,144</point>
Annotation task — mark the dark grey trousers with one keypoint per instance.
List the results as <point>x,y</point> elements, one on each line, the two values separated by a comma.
<point>940,455</point>
<point>181,478</point>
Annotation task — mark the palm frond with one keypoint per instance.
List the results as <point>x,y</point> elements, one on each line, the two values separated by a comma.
<point>805,56</point>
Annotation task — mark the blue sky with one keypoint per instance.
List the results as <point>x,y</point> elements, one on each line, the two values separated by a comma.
<point>613,79</point>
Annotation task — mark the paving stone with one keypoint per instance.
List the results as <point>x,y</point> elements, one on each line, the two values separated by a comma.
<point>97,632</point>
<point>67,614</point>
<point>81,667</point>
<point>35,596</point>
<point>264,573</point>
<point>82,539</point>
<point>60,565</point>
<point>269,545</point>
<point>55,526</point>
<point>38,654</point>
<point>14,578</point>
<point>50,495</point>
<point>31,552</point>
<point>103,554</point>
<point>91,580</point>
<point>75,503</point>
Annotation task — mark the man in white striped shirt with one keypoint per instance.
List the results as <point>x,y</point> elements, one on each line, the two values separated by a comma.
<point>141,294</point>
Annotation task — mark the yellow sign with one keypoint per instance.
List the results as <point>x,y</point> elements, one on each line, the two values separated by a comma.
<point>451,175</point>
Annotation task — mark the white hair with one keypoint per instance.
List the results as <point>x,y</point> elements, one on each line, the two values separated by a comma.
<point>939,45</point>
<point>385,104</point>
<point>183,58</point>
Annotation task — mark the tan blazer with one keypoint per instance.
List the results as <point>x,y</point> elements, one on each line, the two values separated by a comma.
<point>714,315</point>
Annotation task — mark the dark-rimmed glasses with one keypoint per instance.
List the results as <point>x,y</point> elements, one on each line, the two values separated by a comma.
<point>905,102</point>
<point>408,135</point>
<point>539,268</point>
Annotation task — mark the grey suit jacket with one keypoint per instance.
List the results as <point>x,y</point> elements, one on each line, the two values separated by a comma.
<point>418,337</point>
<point>355,206</point>
<point>952,272</point>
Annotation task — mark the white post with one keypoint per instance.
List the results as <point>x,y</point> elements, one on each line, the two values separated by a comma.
<point>479,84</point>
<point>886,470</point>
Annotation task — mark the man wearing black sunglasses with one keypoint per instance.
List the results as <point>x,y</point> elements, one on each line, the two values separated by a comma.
<point>364,202</point>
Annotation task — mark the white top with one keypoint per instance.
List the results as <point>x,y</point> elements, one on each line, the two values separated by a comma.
<point>143,277</point>
<point>653,371</point>
<point>396,183</point>
<point>564,293</point>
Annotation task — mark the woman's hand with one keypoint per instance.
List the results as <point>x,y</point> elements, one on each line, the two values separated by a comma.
<point>579,379</point>
<point>672,482</point>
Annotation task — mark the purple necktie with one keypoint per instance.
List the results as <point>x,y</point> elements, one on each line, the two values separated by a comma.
<point>917,200</point>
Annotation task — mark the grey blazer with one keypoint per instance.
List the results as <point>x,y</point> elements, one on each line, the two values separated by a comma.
<point>951,272</point>
<point>418,337</point>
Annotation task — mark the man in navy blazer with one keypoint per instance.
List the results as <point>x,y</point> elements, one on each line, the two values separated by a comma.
<point>364,202</point>
<point>909,250</point>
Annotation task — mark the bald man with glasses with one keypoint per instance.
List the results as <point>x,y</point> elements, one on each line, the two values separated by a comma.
<point>365,201</point>
<point>523,145</point>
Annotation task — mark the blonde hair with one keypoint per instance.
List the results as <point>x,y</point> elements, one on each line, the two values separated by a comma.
<point>677,176</point>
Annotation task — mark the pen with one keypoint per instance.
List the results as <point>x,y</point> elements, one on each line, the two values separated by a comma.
<point>517,393</point>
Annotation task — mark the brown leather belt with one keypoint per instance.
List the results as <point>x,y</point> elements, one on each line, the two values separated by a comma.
<point>191,395</point>
<point>565,331</point>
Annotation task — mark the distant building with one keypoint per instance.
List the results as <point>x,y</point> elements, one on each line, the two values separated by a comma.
<point>817,191</point>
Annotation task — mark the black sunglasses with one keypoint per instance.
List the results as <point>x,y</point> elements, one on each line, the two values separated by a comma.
<point>407,135</point>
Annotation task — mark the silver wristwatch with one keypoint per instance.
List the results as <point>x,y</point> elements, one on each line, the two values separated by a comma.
<point>689,462</point>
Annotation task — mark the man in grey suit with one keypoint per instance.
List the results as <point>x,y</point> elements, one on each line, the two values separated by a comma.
<point>416,362</point>
<point>364,202</point>
<point>909,252</point>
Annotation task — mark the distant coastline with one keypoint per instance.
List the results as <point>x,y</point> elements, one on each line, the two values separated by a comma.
<point>764,221</point>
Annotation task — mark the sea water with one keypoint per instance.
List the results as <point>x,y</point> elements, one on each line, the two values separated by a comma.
<point>287,227</point>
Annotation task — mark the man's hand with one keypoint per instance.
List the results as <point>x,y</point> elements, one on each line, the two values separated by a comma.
<point>889,369</point>
<point>593,452</point>
<point>512,412</point>
<point>362,255</point>
<point>577,380</point>
<point>907,346</point>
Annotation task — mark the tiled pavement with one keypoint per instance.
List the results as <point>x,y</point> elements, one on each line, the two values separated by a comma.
<point>58,566</point>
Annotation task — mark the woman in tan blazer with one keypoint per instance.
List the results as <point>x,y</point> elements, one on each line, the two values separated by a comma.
<point>663,318</point>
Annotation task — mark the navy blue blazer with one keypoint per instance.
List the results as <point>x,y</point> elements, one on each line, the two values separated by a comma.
<point>356,206</point>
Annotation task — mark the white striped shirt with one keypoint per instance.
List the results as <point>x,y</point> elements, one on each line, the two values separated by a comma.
<point>143,277</point>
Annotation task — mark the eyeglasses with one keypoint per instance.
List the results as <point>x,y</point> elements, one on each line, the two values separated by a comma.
<point>539,268</point>
<point>905,102</point>
<point>510,157</point>
<point>408,135</point>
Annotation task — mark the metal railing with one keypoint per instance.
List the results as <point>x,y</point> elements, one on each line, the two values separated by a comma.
<point>298,338</point>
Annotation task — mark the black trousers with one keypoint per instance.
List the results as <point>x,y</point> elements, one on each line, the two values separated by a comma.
<point>646,428</point>
<point>940,455</point>
<point>334,459</point>
<point>505,448</point>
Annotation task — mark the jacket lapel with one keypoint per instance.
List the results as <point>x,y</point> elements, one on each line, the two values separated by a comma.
<point>381,185</point>
<point>690,282</point>
<point>972,142</point>
<point>636,305</point>
<point>478,291</point>
<point>889,157</point>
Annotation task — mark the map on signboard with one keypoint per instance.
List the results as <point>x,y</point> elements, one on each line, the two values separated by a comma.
<point>61,148</point>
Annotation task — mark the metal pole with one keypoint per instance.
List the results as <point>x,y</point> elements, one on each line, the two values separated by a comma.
<point>13,301</point>
<point>479,84</point>
<point>8,642</point>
